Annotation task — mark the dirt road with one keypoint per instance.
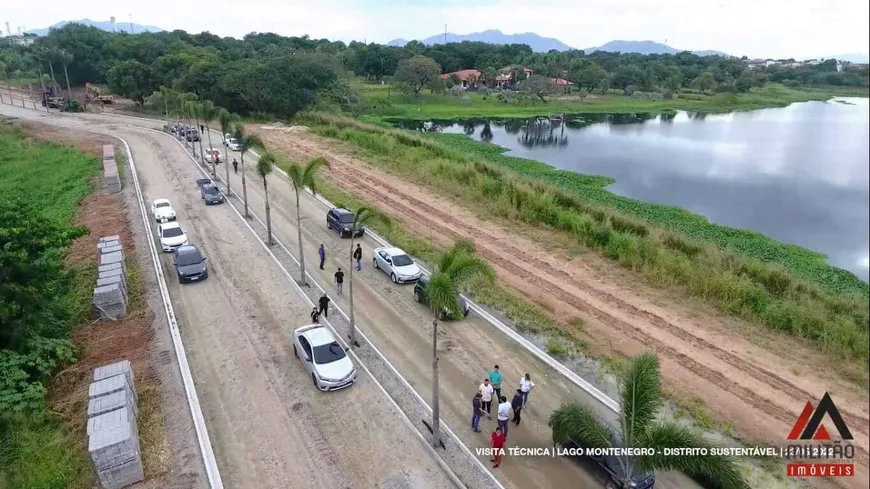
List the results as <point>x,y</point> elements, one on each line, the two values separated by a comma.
<point>269,427</point>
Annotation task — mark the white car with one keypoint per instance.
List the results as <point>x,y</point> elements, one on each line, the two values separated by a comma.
<point>162,210</point>
<point>230,142</point>
<point>397,264</point>
<point>212,155</point>
<point>324,358</point>
<point>171,236</point>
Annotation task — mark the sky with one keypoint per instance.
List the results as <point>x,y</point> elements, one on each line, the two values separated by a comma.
<point>755,28</point>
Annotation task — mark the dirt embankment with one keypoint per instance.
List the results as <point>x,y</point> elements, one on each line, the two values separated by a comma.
<point>757,386</point>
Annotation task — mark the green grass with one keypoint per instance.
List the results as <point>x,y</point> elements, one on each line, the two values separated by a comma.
<point>384,103</point>
<point>743,273</point>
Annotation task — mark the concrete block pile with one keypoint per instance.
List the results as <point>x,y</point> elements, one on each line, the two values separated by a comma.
<point>110,294</point>
<point>113,437</point>
<point>110,169</point>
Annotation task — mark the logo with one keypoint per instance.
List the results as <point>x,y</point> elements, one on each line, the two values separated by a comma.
<point>809,424</point>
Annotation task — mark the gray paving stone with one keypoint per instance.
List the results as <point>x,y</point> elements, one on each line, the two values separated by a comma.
<point>122,367</point>
<point>110,402</point>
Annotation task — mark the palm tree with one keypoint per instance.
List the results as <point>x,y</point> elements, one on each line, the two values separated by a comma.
<point>196,111</point>
<point>209,112</point>
<point>227,120</point>
<point>185,100</point>
<point>301,177</point>
<point>641,398</point>
<point>264,168</point>
<point>165,94</point>
<point>456,267</point>
<point>246,143</point>
<point>364,216</point>
<point>66,58</point>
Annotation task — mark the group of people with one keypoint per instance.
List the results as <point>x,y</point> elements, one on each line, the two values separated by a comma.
<point>322,306</point>
<point>481,405</point>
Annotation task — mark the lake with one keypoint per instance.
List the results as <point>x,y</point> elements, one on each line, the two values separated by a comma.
<point>798,174</point>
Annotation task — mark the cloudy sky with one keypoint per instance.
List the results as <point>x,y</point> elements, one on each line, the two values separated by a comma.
<point>768,28</point>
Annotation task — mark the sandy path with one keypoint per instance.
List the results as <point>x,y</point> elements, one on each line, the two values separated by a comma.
<point>758,391</point>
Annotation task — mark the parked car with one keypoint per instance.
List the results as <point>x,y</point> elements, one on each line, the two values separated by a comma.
<point>231,143</point>
<point>342,221</point>
<point>192,134</point>
<point>608,468</point>
<point>420,296</point>
<point>162,211</point>
<point>171,236</point>
<point>397,264</point>
<point>324,358</point>
<point>189,264</point>
<point>212,156</point>
<point>209,191</point>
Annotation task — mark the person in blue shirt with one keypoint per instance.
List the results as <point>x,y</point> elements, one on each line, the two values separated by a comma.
<point>495,378</point>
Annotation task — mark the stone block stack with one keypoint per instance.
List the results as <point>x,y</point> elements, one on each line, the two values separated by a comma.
<point>110,294</point>
<point>113,436</point>
<point>110,169</point>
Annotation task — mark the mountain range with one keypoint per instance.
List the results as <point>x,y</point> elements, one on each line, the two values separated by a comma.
<point>105,25</point>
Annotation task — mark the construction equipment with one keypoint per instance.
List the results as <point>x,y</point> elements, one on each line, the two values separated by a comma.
<point>51,100</point>
<point>93,92</point>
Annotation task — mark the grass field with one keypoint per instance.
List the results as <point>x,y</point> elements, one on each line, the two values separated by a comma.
<point>385,103</point>
<point>742,273</point>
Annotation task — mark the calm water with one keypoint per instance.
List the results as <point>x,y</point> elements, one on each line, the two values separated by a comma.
<point>798,174</point>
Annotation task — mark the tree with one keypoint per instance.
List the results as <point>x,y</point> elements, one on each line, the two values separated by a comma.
<point>704,82</point>
<point>604,85</point>
<point>130,79</point>
<point>227,122</point>
<point>583,93</point>
<point>673,83</point>
<point>456,267</point>
<point>364,217</point>
<point>418,72</point>
<point>641,399</point>
<point>587,73</point>
<point>301,177</point>
<point>264,168</point>
<point>538,86</point>
<point>196,114</point>
<point>65,59</point>
<point>209,113</point>
<point>246,143</point>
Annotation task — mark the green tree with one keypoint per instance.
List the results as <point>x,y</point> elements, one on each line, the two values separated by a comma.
<point>456,268</point>
<point>538,86</point>
<point>587,73</point>
<point>673,83</point>
<point>301,177</point>
<point>246,143</point>
<point>264,167</point>
<point>418,72</point>
<point>365,216</point>
<point>641,399</point>
<point>130,79</point>
<point>227,122</point>
<point>604,85</point>
<point>704,82</point>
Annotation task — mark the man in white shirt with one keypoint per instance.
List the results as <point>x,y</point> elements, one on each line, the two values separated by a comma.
<point>526,386</point>
<point>486,391</point>
<point>504,412</point>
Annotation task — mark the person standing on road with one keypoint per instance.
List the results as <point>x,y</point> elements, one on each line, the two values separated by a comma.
<point>357,255</point>
<point>517,406</point>
<point>504,413</point>
<point>321,252</point>
<point>323,305</point>
<point>486,392</point>
<point>235,166</point>
<point>201,129</point>
<point>498,440</point>
<point>315,315</point>
<point>476,412</point>
<point>495,377</point>
<point>526,386</point>
<point>339,280</point>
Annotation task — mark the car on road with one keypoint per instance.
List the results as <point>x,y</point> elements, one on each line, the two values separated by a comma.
<point>192,134</point>
<point>323,357</point>
<point>397,264</point>
<point>162,211</point>
<point>420,296</point>
<point>231,143</point>
<point>212,156</point>
<point>171,236</point>
<point>189,264</point>
<point>607,468</point>
<point>209,191</point>
<point>341,220</point>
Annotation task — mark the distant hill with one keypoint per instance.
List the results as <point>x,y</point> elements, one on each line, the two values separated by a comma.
<point>537,43</point>
<point>850,57</point>
<point>105,25</point>
<point>646,47</point>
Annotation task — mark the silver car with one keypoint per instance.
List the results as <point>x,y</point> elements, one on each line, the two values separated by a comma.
<point>397,264</point>
<point>324,358</point>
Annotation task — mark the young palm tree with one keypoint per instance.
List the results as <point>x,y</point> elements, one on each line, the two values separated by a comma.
<point>641,398</point>
<point>209,113</point>
<point>364,217</point>
<point>246,143</point>
<point>227,120</point>
<point>186,100</point>
<point>456,267</point>
<point>196,112</point>
<point>264,168</point>
<point>66,58</point>
<point>165,94</point>
<point>301,177</point>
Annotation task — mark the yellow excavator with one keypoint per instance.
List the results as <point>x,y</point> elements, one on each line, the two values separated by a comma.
<point>94,93</point>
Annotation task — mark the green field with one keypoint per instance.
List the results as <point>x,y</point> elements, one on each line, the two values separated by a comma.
<point>386,103</point>
<point>741,272</point>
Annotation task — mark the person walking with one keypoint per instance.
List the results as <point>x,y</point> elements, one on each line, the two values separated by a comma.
<point>526,386</point>
<point>235,166</point>
<point>517,406</point>
<point>315,315</point>
<point>486,392</point>
<point>476,412</point>
<point>339,280</point>
<point>495,377</point>
<point>504,413</point>
<point>498,441</point>
<point>321,253</point>
<point>357,255</point>
<point>323,305</point>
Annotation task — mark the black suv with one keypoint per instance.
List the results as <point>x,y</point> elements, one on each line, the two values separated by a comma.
<point>609,469</point>
<point>342,221</point>
<point>420,296</point>
<point>189,264</point>
<point>192,134</point>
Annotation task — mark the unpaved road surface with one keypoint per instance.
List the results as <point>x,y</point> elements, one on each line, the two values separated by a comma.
<point>270,428</point>
<point>760,392</point>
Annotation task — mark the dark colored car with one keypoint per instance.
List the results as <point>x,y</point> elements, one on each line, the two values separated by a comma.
<point>189,264</point>
<point>210,192</point>
<point>192,134</point>
<point>609,469</point>
<point>420,296</point>
<point>342,221</point>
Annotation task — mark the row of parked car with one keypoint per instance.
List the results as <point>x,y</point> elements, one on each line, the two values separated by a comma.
<point>188,261</point>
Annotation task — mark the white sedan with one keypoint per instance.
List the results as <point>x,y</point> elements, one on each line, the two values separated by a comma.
<point>230,142</point>
<point>171,236</point>
<point>212,155</point>
<point>397,264</point>
<point>325,360</point>
<point>162,211</point>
